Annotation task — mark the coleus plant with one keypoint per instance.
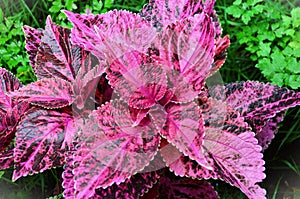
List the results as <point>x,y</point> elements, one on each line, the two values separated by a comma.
<point>122,103</point>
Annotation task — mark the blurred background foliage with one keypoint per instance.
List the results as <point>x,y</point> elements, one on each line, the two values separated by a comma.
<point>265,46</point>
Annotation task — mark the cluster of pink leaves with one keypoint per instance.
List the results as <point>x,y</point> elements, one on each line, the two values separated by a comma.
<point>121,96</point>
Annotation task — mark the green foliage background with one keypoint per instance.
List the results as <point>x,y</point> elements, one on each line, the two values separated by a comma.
<point>265,46</point>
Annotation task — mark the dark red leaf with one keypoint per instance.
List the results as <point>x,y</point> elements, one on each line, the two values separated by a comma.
<point>48,93</point>
<point>57,57</point>
<point>42,138</point>
<point>178,188</point>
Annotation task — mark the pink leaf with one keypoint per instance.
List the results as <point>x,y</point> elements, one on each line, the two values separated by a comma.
<point>258,103</point>
<point>178,188</point>
<point>8,83</point>
<point>10,110</point>
<point>48,93</point>
<point>112,34</point>
<point>139,82</point>
<point>57,57</point>
<point>86,84</point>
<point>42,138</point>
<point>163,13</point>
<point>188,47</point>
<point>230,148</point>
<point>184,129</point>
<point>133,187</point>
<point>33,41</point>
<point>220,54</point>
<point>113,147</point>
<point>9,122</point>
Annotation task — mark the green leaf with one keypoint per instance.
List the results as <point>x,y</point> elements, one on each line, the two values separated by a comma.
<point>264,49</point>
<point>297,52</point>
<point>279,79</point>
<point>278,61</point>
<point>294,81</point>
<point>290,32</point>
<point>235,11</point>
<point>295,13</point>
<point>292,65</point>
<point>288,51</point>
<point>258,9</point>
<point>279,32</point>
<point>246,17</point>
<point>265,66</point>
<point>108,4</point>
<point>237,2</point>
<point>266,35</point>
<point>286,20</point>
<point>1,15</point>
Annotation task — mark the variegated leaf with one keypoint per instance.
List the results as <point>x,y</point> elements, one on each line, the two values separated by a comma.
<point>10,110</point>
<point>220,54</point>
<point>188,47</point>
<point>9,122</point>
<point>33,41</point>
<point>85,86</point>
<point>184,129</point>
<point>140,83</point>
<point>114,147</point>
<point>57,56</point>
<point>112,34</point>
<point>230,148</point>
<point>135,186</point>
<point>48,93</point>
<point>8,83</point>
<point>258,103</point>
<point>42,138</point>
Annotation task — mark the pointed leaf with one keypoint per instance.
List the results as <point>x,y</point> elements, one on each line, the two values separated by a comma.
<point>177,188</point>
<point>10,110</point>
<point>163,13</point>
<point>139,82</point>
<point>33,42</point>
<point>111,148</point>
<point>188,47</point>
<point>258,103</point>
<point>112,34</point>
<point>42,138</point>
<point>184,129</point>
<point>133,187</point>
<point>57,57</point>
<point>8,83</point>
<point>48,93</point>
<point>86,84</point>
<point>230,148</point>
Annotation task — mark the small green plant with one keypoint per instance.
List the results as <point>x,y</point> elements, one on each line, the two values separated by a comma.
<point>76,5</point>
<point>271,34</point>
<point>12,43</point>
